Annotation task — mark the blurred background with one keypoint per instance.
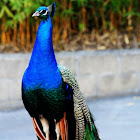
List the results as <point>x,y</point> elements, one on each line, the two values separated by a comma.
<point>78,24</point>
<point>98,40</point>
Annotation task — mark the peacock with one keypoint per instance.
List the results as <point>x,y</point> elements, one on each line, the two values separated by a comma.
<point>50,92</point>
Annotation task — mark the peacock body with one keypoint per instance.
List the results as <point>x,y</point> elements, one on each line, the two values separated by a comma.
<point>50,92</point>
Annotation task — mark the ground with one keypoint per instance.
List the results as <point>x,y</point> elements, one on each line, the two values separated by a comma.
<point>116,119</point>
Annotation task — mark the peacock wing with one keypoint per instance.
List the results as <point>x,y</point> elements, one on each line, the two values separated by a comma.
<point>77,123</point>
<point>85,128</point>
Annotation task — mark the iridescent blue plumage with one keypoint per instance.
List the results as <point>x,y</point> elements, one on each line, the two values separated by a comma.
<point>51,97</point>
<point>42,8</point>
<point>43,68</point>
<point>42,82</point>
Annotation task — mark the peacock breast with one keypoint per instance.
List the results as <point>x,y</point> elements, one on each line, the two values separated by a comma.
<point>50,102</point>
<point>54,102</point>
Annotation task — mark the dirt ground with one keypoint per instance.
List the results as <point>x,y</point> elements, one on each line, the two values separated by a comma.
<point>86,41</point>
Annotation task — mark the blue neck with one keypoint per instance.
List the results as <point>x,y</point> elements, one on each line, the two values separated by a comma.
<point>43,48</point>
<point>43,68</point>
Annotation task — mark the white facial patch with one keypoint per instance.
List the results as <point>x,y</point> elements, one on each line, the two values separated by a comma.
<point>45,13</point>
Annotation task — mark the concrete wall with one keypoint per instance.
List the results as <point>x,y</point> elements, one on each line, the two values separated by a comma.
<point>99,73</point>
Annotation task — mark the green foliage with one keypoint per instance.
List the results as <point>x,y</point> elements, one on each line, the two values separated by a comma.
<point>81,27</point>
<point>72,17</point>
<point>80,3</point>
<point>67,12</point>
<point>16,11</point>
<point>5,10</point>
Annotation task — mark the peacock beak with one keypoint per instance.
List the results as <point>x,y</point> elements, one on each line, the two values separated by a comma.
<point>36,14</point>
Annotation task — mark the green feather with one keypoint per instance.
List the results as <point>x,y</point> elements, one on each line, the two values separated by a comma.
<point>88,133</point>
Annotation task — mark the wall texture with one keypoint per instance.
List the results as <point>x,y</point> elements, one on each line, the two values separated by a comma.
<point>99,73</point>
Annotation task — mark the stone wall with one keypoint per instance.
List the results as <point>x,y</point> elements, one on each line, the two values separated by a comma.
<point>99,73</point>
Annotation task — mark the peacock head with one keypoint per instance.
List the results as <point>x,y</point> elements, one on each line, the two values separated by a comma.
<point>45,12</point>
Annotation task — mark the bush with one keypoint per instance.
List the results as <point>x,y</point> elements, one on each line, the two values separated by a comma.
<point>18,29</point>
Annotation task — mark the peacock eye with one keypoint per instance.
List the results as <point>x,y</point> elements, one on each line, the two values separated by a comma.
<point>43,11</point>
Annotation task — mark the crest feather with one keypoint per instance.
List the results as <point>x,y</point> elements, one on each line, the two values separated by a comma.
<point>52,9</point>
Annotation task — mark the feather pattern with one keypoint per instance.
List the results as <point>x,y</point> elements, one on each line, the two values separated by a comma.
<point>80,107</point>
<point>37,129</point>
<point>81,110</point>
<point>51,93</point>
<point>63,128</point>
<point>85,127</point>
